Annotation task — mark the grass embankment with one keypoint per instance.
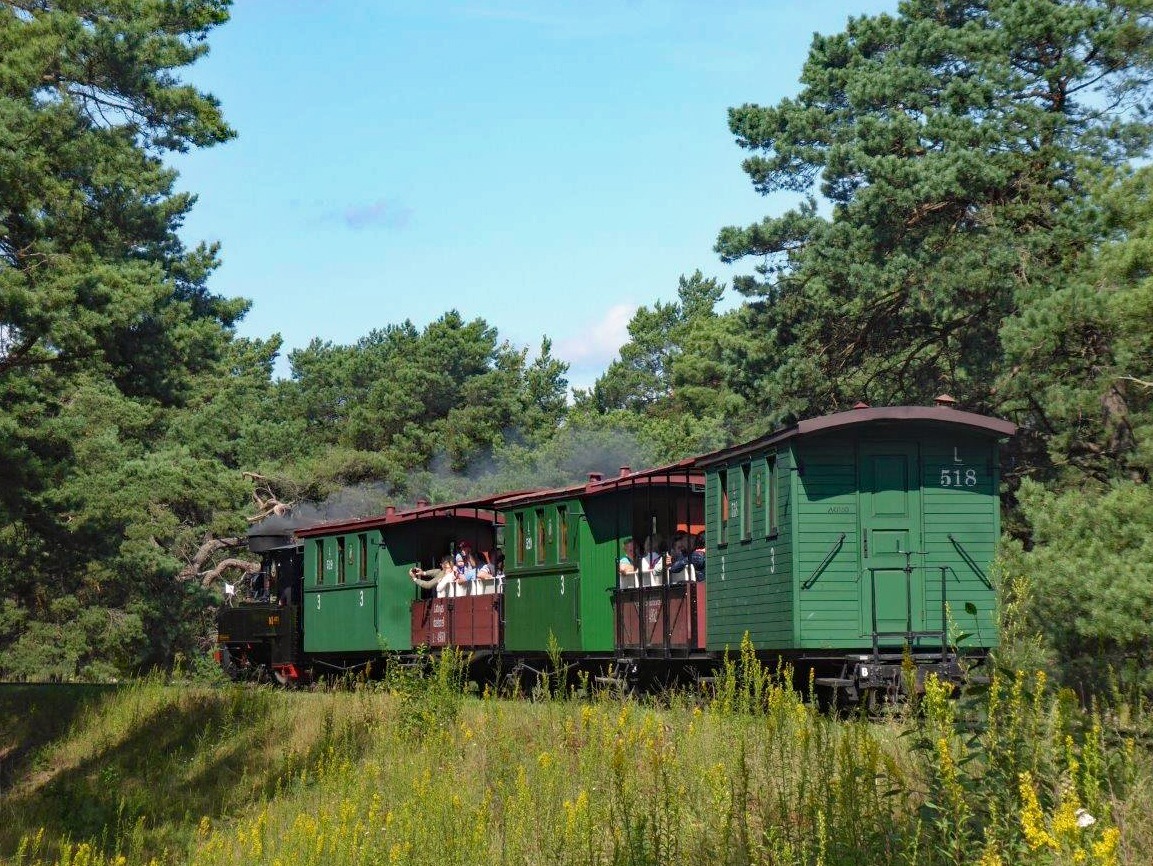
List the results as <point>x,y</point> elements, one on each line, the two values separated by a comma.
<point>419,774</point>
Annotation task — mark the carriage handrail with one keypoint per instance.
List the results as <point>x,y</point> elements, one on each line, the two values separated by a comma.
<point>972,563</point>
<point>909,634</point>
<point>833,551</point>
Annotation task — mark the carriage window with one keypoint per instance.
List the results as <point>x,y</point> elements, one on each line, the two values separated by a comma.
<point>340,560</point>
<point>540,525</point>
<point>562,521</point>
<point>318,546</point>
<point>746,504</point>
<point>520,538</point>
<point>363,564</point>
<point>771,495</point>
<point>723,504</point>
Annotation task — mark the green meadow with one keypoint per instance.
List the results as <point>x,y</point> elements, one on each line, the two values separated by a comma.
<point>416,771</point>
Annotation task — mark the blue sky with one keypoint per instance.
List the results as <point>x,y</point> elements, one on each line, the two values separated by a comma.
<point>547,166</point>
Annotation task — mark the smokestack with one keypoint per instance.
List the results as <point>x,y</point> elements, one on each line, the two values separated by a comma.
<point>626,470</point>
<point>595,477</point>
<point>945,400</point>
<point>422,503</point>
<point>390,511</point>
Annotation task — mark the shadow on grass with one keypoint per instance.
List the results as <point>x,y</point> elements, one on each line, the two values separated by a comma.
<point>33,716</point>
<point>202,753</point>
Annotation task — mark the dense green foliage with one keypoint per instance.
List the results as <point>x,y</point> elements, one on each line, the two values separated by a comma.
<point>973,217</point>
<point>955,145</point>
<point>107,332</point>
<point>453,391</point>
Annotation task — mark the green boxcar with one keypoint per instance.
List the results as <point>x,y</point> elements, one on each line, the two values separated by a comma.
<point>808,524</point>
<point>562,549</point>
<point>357,591</point>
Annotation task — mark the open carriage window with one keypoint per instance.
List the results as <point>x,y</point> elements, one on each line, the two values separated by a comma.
<point>723,505</point>
<point>746,504</point>
<point>540,540</point>
<point>520,538</point>
<point>771,495</point>
<point>562,524</point>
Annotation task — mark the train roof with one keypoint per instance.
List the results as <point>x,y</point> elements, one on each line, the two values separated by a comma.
<point>679,473</point>
<point>468,509</point>
<point>995,427</point>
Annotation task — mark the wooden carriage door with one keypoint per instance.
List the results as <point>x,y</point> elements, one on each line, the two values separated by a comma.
<point>890,499</point>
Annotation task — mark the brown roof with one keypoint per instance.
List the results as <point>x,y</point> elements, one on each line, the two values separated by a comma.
<point>470,509</point>
<point>995,427</point>
<point>670,475</point>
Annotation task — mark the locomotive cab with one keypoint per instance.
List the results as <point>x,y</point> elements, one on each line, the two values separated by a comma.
<point>258,628</point>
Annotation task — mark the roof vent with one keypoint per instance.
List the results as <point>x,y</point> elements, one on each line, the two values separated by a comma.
<point>422,503</point>
<point>626,470</point>
<point>861,404</point>
<point>595,477</point>
<point>390,511</point>
<point>945,400</point>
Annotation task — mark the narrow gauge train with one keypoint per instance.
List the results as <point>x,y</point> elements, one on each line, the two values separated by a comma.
<point>842,544</point>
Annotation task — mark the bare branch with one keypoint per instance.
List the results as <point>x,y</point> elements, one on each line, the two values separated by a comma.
<point>207,578</point>
<point>1140,382</point>
<point>208,547</point>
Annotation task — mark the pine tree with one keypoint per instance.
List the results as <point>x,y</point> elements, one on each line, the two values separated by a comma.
<point>953,146</point>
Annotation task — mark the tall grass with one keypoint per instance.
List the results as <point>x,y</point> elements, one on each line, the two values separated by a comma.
<point>1017,773</point>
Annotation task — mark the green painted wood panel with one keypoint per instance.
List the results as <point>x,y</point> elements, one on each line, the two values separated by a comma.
<point>827,612</point>
<point>570,599</point>
<point>341,616</point>
<point>404,547</point>
<point>891,539</point>
<point>340,619</point>
<point>543,595</point>
<point>541,605</point>
<point>750,571</point>
<point>961,492</point>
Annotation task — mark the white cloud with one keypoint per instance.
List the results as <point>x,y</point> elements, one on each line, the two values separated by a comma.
<point>597,343</point>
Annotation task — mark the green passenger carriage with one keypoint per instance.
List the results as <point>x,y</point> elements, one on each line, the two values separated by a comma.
<point>358,597</point>
<point>844,542</point>
<point>562,551</point>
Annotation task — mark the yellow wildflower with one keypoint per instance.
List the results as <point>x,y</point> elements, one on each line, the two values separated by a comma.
<point>1065,823</point>
<point>990,857</point>
<point>1105,849</point>
<point>1032,818</point>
